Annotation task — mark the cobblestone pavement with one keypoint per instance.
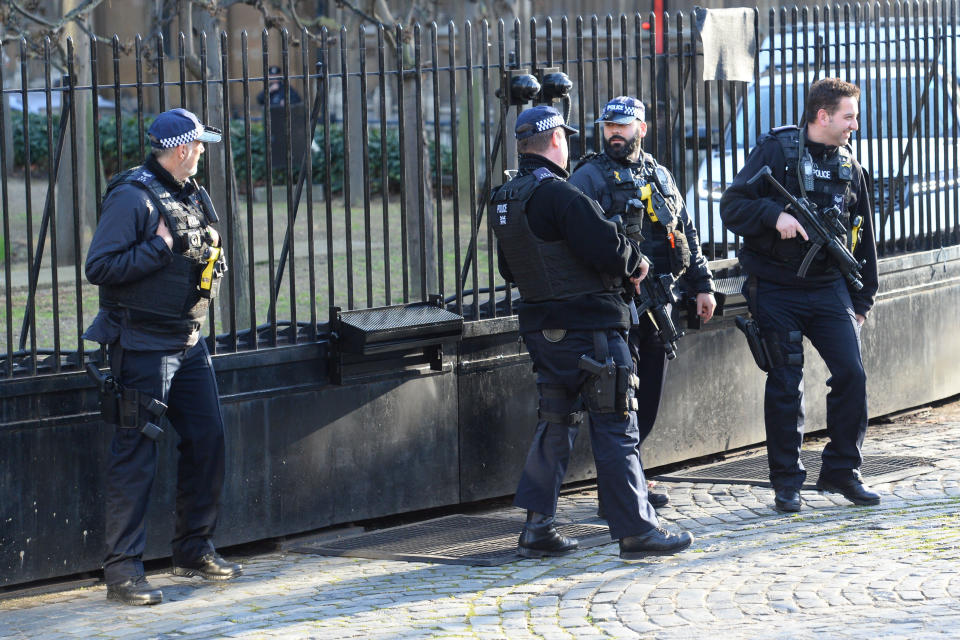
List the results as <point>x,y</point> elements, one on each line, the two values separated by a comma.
<point>831,571</point>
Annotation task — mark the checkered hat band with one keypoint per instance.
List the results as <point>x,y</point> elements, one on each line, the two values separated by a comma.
<point>550,123</point>
<point>183,138</point>
<point>622,108</point>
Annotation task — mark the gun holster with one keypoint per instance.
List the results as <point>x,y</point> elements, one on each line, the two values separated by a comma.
<point>109,401</point>
<point>607,389</point>
<point>131,409</point>
<point>767,350</point>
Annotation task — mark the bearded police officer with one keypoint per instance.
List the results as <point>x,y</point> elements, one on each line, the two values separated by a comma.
<point>570,266</point>
<point>813,161</point>
<point>613,178</point>
<point>157,262</point>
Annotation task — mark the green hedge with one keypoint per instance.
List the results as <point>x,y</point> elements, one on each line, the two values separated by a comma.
<point>131,151</point>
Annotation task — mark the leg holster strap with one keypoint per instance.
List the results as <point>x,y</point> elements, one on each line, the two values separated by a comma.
<point>557,407</point>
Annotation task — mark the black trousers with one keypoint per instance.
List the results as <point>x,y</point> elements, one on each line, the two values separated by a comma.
<point>614,437</point>
<point>825,316</point>
<point>651,362</point>
<point>185,381</point>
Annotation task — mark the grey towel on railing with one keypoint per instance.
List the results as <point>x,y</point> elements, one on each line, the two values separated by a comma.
<point>729,43</point>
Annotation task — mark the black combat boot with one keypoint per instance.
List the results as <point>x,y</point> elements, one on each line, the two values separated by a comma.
<point>540,538</point>
<point>786,499</point>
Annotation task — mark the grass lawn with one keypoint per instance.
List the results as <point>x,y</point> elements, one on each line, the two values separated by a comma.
<point>348,270</point>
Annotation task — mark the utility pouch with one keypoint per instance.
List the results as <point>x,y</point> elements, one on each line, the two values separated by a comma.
<point>678,248</point>
<point>626,381</point>
<point>794,359</point>
<point>143,412</point>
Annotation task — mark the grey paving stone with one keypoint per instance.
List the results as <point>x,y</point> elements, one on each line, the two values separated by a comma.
<point>833,571</point>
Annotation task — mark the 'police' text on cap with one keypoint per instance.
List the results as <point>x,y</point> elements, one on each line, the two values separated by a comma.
<point>179,126</point>
<point>622,110</point>
<point>541,118</point>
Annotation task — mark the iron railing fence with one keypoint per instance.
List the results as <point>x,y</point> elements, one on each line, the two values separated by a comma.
<point>401,133</point>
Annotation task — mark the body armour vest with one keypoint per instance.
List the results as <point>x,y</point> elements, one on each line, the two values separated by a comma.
<point>662,237</point>
<point>169,299</point>
<point>543,270</point>
<point>828,183</point>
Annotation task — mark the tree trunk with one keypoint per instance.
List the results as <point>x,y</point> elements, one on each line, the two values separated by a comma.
<point>82,211</point>
<point>222,188</point>
<point>7,150</point>
<point>418,199</point>
<point>418,191</point>
<point>358,163</point>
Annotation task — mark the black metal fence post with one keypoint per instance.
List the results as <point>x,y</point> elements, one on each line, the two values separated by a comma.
<point>441,94</point>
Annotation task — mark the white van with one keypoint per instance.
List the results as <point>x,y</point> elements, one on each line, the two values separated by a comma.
<point>891,93</point>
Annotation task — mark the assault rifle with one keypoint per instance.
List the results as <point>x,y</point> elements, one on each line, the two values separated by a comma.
<point>656,293</point>
<point>823,229</point>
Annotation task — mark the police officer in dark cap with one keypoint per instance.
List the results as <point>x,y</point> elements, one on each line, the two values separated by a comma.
<point>276,90</point>
<point>612,178</point>
<point>573,268</point>
<point>812,161</point>
<point>157,261</point>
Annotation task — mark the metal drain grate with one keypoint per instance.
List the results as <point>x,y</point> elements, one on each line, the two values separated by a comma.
<point>456,539</point>
<point>754,470</point>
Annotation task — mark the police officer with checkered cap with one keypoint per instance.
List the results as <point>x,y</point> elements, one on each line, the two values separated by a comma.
<point>571,266</point>
<point>610,178</point>
<point>157,260</point>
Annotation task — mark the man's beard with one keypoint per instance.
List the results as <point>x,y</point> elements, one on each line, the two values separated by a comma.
<point>623,151</point>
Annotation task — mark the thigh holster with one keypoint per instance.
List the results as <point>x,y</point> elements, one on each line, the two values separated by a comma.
<point>767,347</point>
<point>128,408</point>
<point>609,388</point>
<point>779,356</point>
<point>141,411</point>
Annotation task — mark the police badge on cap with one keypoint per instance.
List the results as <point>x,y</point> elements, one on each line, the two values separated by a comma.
<point>542,118</point>
<point>179,126</point>
<point>622,110</point>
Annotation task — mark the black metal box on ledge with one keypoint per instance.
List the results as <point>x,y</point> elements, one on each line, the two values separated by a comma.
<point>366,342</point>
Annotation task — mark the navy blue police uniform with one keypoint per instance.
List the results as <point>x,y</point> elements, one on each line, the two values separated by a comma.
<point>151,312</point>
<point>569,264</point>
<point>612,184</point>
<point>820,306</point>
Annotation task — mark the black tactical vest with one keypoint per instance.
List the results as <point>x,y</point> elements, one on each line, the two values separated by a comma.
<point>169,299</point>
<point>829,184</point>
<point>665,244</point>
<point>543,270</point>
